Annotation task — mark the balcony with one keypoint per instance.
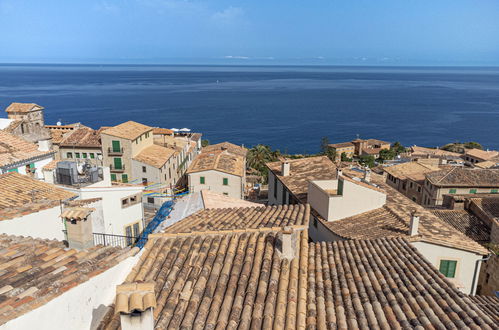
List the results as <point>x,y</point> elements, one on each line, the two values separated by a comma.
<point>114,152</point>
<point>114,169</point>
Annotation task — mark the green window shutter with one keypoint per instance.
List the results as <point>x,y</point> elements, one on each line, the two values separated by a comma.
<point>77,154</point>
<point>452,191</point>
<point>116,146</point>
<point>14,170</point>
<point>32,165</point>
<point>69,155</point>
<point>92,155</point>
<point>472,191</point>
<point>84,155</point>
<point>201,180</point>
<point>493,191</point>
<point>226,182</point>
<point>340,187</point>
<point>124,178</point>
<point>448,268</point>
<point>113,177</point>
<point>117,163</point>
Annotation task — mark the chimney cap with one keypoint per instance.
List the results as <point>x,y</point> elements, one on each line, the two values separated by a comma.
<point>135,297</point>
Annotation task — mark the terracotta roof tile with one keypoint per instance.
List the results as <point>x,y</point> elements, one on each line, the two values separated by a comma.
<point>31,276</point>
<point>215,200</point>
<point>155,155</point>
<point>230,147</point>
<point>422,151</point>
<point>482,154</point>
<point>489,305</point>
<point>222,161</point>
<point>466,223</point>
<point>14,149</point>
<point>82,137</point>
<point>128,130</point>
<point>411,170</point>
<point>464,177</point>
<point>23,107</point>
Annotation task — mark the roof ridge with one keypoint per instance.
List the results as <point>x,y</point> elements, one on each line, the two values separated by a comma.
<point>449,172</point>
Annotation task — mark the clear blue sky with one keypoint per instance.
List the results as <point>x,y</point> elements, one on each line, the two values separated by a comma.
<point>447,32</point>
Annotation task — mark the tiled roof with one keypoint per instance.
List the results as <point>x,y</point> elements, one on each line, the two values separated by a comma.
<point>383,284</point>
<point>135,297</point>
<point>128,130</point>
<point>486,164</point>
<point>411,170</point>
<point>481,154</point>
<point>230,147</point>
<point>371,151</point>
<point>155,155</point>
<point>302,171</point>
<point>82,137</point>
<point>23,107</point>
<point>466,223</point>
<point>215,200</point>
<point>341,145</point>
<point>35,271</point>
<point>393,219</point>
<point>243,218</point>
<point>162,131</point>
<point>222,161</point>
<point>13,125</point>
<point>14,149</point>
<point>489,205</point>
<point>376,142</point>
<point>464,177</point>
<point>489,305</point>
<point>231,280</point>
<point>20,194</point>
<point>52,165</point>
<point>77,213</point>
<point>422,151</point>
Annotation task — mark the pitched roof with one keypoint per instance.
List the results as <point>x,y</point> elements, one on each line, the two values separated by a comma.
<point>481,154</point>
<point>341,145</point>
<point>489,305</point>
<point>155,155</point>
<point>162,131</point>
<point>411,170</point>
<point>383,284</point>
<point>486,164</point>
<point>23,107</point>
<point>14,149</point>
<point>20,194</point>
<point>222,161</point>
<point>488,204</point>
<point>467,223</point>
<point>231,280</point>
<point>376,142</point>
<point>52,165</point>
<point>129,130</point>
<point>215,200</point>
<point>302,171</point>
<point>230,147</point>
<point>422,151</point>
<point>243,218</point>
<point>82,137</point>
<point>35,271</point>
<point>393,219</point>
<point>464,177</point>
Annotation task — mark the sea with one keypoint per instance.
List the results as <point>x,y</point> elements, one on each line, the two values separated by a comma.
<point>289,108</point>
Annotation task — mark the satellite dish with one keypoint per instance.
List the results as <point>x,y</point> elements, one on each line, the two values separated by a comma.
<point>81,168</point>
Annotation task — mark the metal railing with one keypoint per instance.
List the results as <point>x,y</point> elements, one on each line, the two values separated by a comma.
<point>112,168</point>
<point>113,240</point>
<point>112,151</point>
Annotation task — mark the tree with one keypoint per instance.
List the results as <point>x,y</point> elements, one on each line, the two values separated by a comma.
<point>473,145</point>
<point>387,154</point>
<point>397,148</point>
<point>258,156</point>
<point>344,157</point>
<point>367,160</point>
<point>326,150</point>
<point>205,143</point>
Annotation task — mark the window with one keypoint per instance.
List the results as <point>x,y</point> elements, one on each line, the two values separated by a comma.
<point>117,164</point>
<point>340,187</point>
<point>169,173</point>
<point>69,155</point>
<point>128,234</point>
<point>202,180</point>
<point>84,155</point>
<point>92,155</point>
<point>472,191</point>
<point>144,169</point>
<point>99,156</point>
<point>113,177</point>
<point>452,191</point>
<point>124,202</point>
<point>77,155</point>
<point>116,146</point>
<point>136,229</point>
<point>225,181</point>
<point>413,199</point>
<point>448,268</point>
<point>13,170</point>
<point>410,185</point>
<point>226,194</point>
<point>275,187</point>
<point>419,188</point>
<point>315,222</point>
<point>124,178</point>
<point>150,200</point>
<point>144,181</point>
<point>493,191</point>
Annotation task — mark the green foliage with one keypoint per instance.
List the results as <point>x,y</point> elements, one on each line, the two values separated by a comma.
<point>460,147</point>
<point>397,148</point>
<point>258,156</point>
<point>205,143</point>
<point>473,145</point>
<point>326,150</point>
<point>367,160</point>
<point>387,154</point>
<point>344,157</point>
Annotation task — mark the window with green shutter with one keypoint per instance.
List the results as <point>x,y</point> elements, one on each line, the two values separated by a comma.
<point>69,155</point>
<point>116,146</point>
<point>472,191</point>
<point>77,154</point>
<point>201,180</point>
<point>32,165</point>
<point>493,191</point>
<point>113,177</point>
<point>452,191</point>
<point>225,182</point>
<point>84,155</point>
<point>448,268</point>
<point>92,155</point>
<point>340,187</point>
<point>13,170</point>
<point>117,164</point>
<point>124,178</point>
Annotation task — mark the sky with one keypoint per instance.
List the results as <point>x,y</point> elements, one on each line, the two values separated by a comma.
<point>351,32</point>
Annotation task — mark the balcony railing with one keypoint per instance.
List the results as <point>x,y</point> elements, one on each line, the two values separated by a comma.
<point>115,152</point>
<point>113,240</point>
<point>113,168</point>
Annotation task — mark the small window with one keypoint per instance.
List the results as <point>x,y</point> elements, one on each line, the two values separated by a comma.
<point>472,191</point>
<point>113,177</point>
<point>225,181</point>
<point>452,191</point>
<point>202,180</point>
<point>226,194</point>
<point>448,268</point>
<point>84,155</point>
<point>133,199</point>
<point>419,188</point>
<point>69,155</point>
<point>124,178</point>
<point>124,201</point>
<point>144,169</point>
<point>77,154</point>
<point>493,191</point>
<point>150,200</point>
<point>92,155</point>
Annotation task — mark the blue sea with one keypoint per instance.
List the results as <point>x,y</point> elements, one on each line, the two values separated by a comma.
<point>287,107</point>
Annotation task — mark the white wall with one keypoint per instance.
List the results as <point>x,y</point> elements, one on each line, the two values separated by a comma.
<point>275,198</point>
<point>44,224</point>
<point>214,181</point>
<point>38,165</point>
<point>75,308</point>
<point>466,261</point>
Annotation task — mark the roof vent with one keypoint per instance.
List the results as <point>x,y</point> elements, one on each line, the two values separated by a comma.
<point>285,168</point>
<point>135,303</point>
<point>288,243</point>
<point>414,225</point>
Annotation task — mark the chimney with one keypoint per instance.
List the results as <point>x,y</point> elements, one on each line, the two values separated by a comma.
<point>78,221</point>
<point>285,167</point>
<point>135,303</point>
<point>106,176</point>
<point>288,243</point>
<point>414,225</point>
<point>367,175</point>
<point>339,172</point>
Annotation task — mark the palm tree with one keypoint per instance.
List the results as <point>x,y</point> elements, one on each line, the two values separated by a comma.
<point>258,156</point>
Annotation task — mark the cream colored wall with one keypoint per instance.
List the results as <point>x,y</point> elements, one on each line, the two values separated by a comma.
<point>466,261</point>
<point>96,151</point>
<point>214,181</point>
<point>436,195</point>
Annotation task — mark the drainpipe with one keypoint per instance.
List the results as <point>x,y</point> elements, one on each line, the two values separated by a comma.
<point>475,275</point>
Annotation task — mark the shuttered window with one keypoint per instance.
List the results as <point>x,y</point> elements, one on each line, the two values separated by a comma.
<point>225,181</point>
<point>448,268</point>
<point>452,191</point>
<point>472,191</point>
<point>113,177</point>
<point>201,180</point>
<point>116,146</point>
<point>117,163</point>
<point>124,178</point>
